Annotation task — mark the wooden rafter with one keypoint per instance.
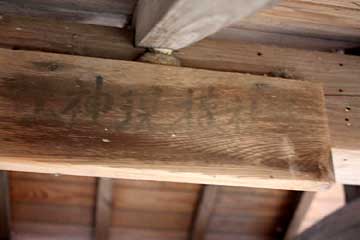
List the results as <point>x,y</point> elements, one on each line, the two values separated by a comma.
<point>174,24</point>
<point>299,215</point>
<point>204,211</point>
<point>103,209</point>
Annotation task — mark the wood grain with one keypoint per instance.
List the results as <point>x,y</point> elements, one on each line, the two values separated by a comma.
<point>55,214</point>
<point>154,200</point>
<point>148,234</point>
<point>103,209</point>
<point>146,220</point>
<point>278,39</point>
<point>299,215</point>
<point>43,192</point>
<point>109,120</point>
<point>337,72</point>
<point>157,186</point>
<point>42,231</point>
<point>51,178</point>
<point>104,12</point>
<point>141,202</point>
<point>176,24</point>
<point>307,23</point>
<point>251,212</point>
<point>204,212</point>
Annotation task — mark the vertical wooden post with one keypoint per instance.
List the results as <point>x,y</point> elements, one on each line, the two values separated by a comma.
<point>103,209</point>
<point>300,212</point>
<point>204,211</point>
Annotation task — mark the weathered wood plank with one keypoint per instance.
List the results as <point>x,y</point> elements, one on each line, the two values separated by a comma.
<point>306,23</point>
<point>146,220</point>
<point>337,72</point>
<point>204,211</point>
<point>300,213</point>
<point>32,230</point>
<point>174,24</point>
<point>273,38</point>
<point>103,209</point>
<point>43,231</point>
<point>114,13</point>
<point>32,191</point>
<point>141,121</point>
<point>58,214</point>
<point>154,200</point>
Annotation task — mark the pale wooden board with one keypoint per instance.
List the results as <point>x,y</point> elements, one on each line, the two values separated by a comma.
<point>141,121</point>
<point>334,22</point>
<point>174,24</point>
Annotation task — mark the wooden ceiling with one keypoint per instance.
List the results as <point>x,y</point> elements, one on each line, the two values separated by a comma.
<point>45,206</point>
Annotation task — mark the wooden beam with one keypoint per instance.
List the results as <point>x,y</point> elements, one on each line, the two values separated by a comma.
<point>338,72</point>
<point>106,13</point>
<point>110,118</point>
<point>204,211</point>
<point>103,209</point>
<point>299,215</point>
<point>343,224</point>
<point>4,207</point>
<point>174,24</point>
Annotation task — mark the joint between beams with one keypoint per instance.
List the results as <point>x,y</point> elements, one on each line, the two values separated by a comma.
<point>161,56</point>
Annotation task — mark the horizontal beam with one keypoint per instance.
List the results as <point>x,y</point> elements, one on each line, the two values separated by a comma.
<point>338,72</point>
<point>111,118</point>
<point>106,13</point>
<point>174,24</point>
